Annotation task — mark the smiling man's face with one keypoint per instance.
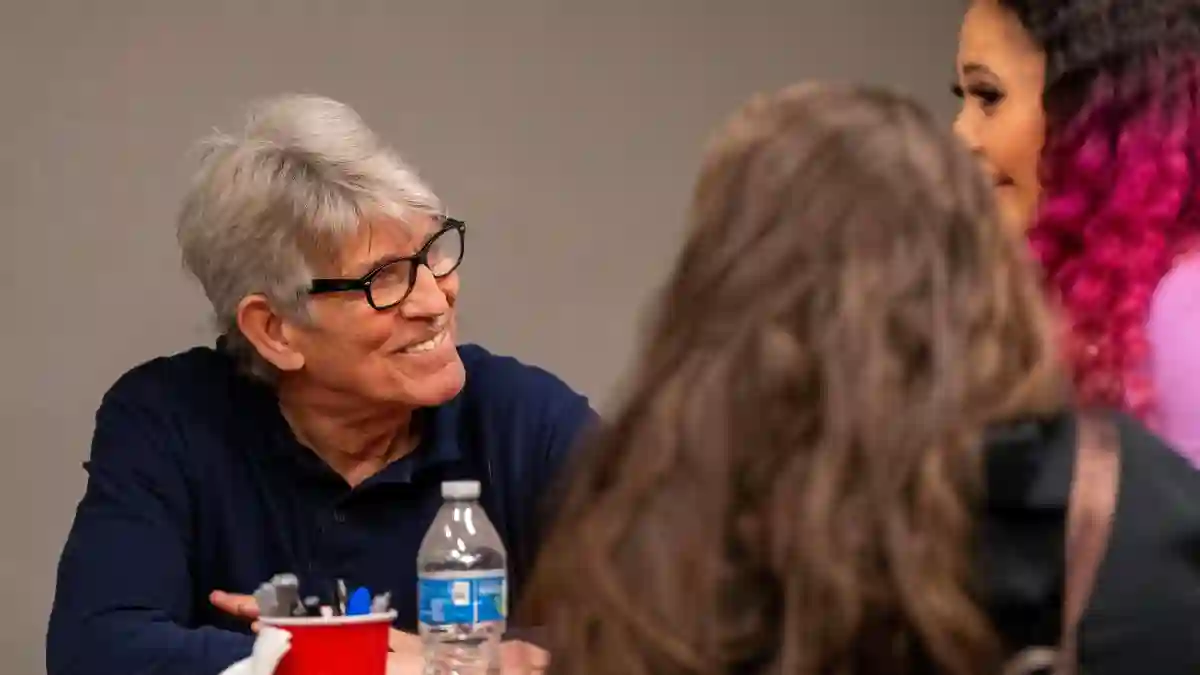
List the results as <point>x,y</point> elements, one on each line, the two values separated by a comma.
<point>404,354</point>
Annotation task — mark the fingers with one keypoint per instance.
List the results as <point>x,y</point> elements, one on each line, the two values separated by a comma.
<point>518,657</point>
<point>404,643</point>
<point>405,664</point>
<point>244,606</point>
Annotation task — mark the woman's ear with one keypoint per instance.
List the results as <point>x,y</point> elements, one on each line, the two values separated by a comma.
<point>267,331</point>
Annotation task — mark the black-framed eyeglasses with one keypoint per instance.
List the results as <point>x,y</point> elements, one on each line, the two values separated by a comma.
<point>390,283</point>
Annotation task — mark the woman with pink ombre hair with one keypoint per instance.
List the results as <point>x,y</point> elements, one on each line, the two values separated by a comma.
<point>1086,116</point>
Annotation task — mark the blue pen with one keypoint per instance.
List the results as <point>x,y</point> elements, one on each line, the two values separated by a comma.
<point>359,602</point>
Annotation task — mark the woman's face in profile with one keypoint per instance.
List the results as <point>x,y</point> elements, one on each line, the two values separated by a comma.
<point>1000,71</point>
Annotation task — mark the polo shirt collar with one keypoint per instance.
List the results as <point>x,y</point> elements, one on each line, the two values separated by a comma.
<point>440,444</point>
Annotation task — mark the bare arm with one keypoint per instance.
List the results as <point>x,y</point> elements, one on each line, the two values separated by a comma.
<point>1174,333</point>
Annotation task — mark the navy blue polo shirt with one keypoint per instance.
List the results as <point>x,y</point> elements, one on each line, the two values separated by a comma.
<point>196,483</point>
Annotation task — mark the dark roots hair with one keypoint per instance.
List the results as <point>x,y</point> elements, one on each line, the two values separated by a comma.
<point>1119,176</point>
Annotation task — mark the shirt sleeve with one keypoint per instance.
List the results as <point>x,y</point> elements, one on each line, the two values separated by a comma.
<point>1173,330</point>
<point>571,419</point>
<point>124,596</point>
<point>559,418</point>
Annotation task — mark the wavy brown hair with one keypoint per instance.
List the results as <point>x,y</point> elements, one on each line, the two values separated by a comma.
<point>789,486</point>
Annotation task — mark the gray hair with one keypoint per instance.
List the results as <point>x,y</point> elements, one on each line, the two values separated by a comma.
<point>267,204</point>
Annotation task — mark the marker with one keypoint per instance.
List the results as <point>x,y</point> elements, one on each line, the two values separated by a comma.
<point>287,595</point>
<point>381,603</point>
<point>268,602</point>
<point>359,602</point>
<point>340,601</point>
<point>312,605</point>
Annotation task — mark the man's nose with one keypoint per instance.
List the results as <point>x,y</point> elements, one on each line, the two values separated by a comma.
<point>427,298</point>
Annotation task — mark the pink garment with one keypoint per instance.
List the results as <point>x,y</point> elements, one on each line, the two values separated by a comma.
<point>1173,331</point>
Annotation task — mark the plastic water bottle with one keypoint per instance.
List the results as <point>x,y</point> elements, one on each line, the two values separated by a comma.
<point>462,586</point>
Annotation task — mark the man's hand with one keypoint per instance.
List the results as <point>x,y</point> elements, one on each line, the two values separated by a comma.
<point>516,657</point>
<point>241,606</point>
<point>405,658</point>
<point>522,658</point>
<point>405,662</point>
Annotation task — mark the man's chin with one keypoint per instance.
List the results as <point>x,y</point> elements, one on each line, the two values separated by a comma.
<point>437,388</point>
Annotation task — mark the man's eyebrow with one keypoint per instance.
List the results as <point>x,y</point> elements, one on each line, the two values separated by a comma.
<point>368,267</point>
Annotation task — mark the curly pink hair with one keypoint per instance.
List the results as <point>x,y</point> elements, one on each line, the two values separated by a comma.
<point>1121,200</point>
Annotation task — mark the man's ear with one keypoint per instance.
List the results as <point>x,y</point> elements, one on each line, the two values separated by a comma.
<point>267,331</point>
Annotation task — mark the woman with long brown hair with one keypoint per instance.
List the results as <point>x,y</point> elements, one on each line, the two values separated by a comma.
<point>849,446</point>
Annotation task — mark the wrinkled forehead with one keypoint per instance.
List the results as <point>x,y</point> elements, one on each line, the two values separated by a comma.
<point>376,241</point>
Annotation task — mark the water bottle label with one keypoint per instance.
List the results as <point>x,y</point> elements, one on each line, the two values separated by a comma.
<point>464,598</point>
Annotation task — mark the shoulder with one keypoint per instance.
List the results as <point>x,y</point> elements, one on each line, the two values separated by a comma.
<point>1146,583</point>
<point>1031,466</point>
<point>1145,598</point>
<point>160,376</point>
<point>1159,491</point>
<point>166,379</point>
<point>172,405</point>
<point>526,409</point>
<point>1173,331</point>
<point>1177,297</point>
<point>504,381</point>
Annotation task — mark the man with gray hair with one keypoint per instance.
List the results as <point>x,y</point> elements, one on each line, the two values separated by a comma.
<point>313,439</point>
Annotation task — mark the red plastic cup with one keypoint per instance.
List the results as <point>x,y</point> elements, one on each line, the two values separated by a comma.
<point>335,645</point>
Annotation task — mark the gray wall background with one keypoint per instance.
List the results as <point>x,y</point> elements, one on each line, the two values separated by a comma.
<point>567,133</point>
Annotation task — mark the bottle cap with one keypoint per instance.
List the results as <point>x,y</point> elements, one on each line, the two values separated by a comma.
<point>460,489</point>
